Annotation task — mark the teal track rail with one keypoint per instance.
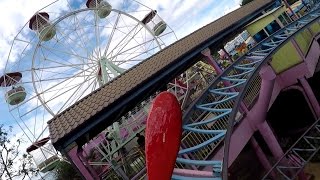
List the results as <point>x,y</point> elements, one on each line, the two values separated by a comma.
<point>221,100</point>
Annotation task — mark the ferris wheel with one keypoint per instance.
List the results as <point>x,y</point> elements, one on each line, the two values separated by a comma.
<point>69,49</point>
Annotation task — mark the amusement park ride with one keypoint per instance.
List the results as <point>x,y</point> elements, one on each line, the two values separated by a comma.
<point>66,66</point>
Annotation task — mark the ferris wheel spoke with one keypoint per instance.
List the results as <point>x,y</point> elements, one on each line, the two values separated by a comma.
<point>25,125</point>
<point>75,93</point>
<point>125,37</point>
<point>127,27</point>
<point>57,95</point>
<point>65,79</point>
<point>77,28</point>
<point>137,47</point>
<point>69,46</point>
<point>111,35</point>
<point>126,42</point>
<point>133,58</point>
<point>97,33</point>
<point>61,64</point>
<point>54,51</point>
<point>50,89</point>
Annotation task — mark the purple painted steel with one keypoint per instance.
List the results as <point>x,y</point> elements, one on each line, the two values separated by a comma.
<point>261,156</point>
<point>291,76</point>
<point>271,140</point>
<point>258,112</point>
<point>239,139</point>
<point>313,55</point>
<point>207,53</point>
<point>73,155</point>
<point>312,98</point>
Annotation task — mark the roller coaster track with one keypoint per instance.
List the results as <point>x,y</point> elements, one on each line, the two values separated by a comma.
<point>222,99</point>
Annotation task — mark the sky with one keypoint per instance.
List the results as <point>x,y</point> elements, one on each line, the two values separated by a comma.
<point>183,16</point>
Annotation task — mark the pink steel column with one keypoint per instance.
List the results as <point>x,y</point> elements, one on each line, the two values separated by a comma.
<point>73,154</point>
<point>271,140</point>
<point>259,111</point>
<point>261,156</point>
<point>312,98</point>
<point>207,53</point>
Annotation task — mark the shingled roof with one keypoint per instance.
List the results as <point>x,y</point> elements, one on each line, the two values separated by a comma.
<point>72,119</point>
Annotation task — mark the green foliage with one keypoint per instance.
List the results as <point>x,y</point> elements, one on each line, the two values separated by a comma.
<point>13,164</point>
<point>64,170</point>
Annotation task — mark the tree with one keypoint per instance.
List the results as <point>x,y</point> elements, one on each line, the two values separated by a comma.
<point>13,164</point>
<point>64,170</point>
<point>244,2</point>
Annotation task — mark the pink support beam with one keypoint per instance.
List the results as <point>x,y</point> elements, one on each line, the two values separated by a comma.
<point>312,98</point>
<point>73,154</point>
<point>271,140</point>
<point>193,173</point>
<point>261,156</point>
<point>259,111</point>
<point>206,52</point>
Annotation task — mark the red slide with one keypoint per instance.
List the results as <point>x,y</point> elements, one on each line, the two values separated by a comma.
<point>163,136</point>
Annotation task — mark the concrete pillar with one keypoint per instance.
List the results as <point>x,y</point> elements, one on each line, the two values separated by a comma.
<point>312,98</point>
<point>261,156</point>
<point>73,155</point>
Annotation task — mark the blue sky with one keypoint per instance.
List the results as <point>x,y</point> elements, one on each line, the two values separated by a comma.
<point>184,16</point>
